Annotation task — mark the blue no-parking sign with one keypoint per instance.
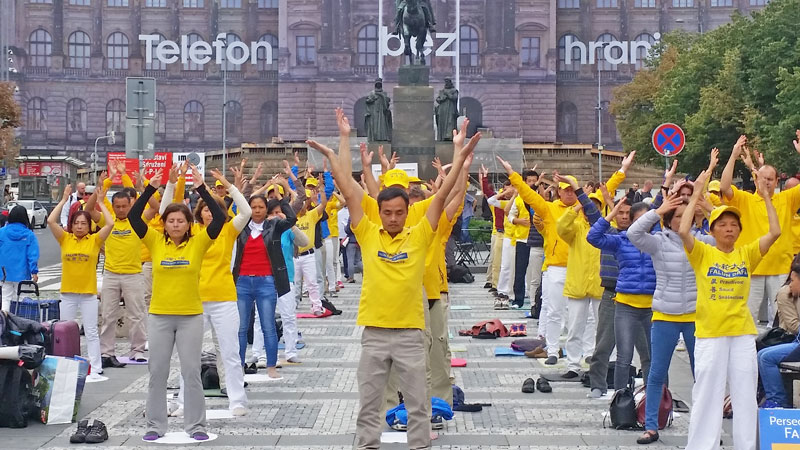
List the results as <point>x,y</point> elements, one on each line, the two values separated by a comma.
<point>779,429</point>
<point>668,139</point>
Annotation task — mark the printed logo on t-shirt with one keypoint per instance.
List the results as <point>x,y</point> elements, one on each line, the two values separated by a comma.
<point>728,270</point>
<point>76,257</point>
<point>173,263</point>
<point>727,281</point>
<point>121,232</point>
<point>392,257</point>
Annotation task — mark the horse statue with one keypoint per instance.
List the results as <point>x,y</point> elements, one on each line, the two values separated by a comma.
<point>414,25</point>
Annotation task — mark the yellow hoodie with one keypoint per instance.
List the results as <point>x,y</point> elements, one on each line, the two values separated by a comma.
<point>583,270</point>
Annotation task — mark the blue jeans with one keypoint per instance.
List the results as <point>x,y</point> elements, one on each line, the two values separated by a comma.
<point>664,336</point>
<point>261,291</point>
<point>630,322</point>
<point>768,361</point>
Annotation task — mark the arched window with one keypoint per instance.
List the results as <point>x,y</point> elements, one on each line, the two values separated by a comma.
<point>37,115</point>
<point>469,47</point>
<point>567,126</point>
<point>117,51</point>
<point>191,38</point>
<point>272,64</point>
<point>80,50</point>
<point>599,57</point>
<point>359,112</point>
<point>574,63</point>
<point>193,118</point>
<point>269,120</point>
<point>40,48</point>
<point>76,115</point>
<point>161,119</point>
<point>233,119</point>
<point>368,45</point>
<point>230,38</point>
<point>155,63</point>
<point>115,116</point>
<point>641,52</point>
<point>473,109</point>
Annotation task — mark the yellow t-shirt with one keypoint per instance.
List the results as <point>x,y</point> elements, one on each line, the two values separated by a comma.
<point>443,233</point>
<point>635,300</point>
<point>79,263</point>
<point>391,294</point>
<point>433,280</point>
<point>216,280</point>
<point>521,231</point>
<point>796,233</point>
<point>123,249</point>
<point>723,285</point>
<point>778,259</point>
<point>688,317</point>
<point>332,208</point>
<point>308,224</point>
<point>176,273</point>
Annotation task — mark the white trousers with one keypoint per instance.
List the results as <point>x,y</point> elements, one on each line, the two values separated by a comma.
<point>9,294</point>
<point>719,359</point>
<point>556,305</point>
<point>533,277</point>
<point>223,319</point>
<point>319,258</point>
<point>88,305</point>
<point>505,283</point>
<point>287,308</point>
<point>581,330</point>
<point>305,269</point>
<point>765,287</point>
<point>542,331</point>
<point>331,258</point>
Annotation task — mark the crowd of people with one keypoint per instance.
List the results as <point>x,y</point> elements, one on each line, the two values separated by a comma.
<point>690,266</point>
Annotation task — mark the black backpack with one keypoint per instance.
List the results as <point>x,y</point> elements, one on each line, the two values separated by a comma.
<point>16,395</point>
<point>622,411</point>
<point>459,273</point>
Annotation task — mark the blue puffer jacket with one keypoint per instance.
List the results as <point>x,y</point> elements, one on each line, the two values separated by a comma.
<point>19,252</point>
<point>636,273</point>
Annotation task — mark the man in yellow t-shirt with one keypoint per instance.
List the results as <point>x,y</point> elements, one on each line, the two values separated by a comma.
<point>305,264</point>
<point>391,306</point>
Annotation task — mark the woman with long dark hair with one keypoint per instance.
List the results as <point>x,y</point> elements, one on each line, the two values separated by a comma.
<point>19,254</point>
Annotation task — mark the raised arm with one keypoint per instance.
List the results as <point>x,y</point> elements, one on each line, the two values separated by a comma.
<point>727,174</point>
<point>243,210</point>
<point>529,196</point>
<point>108,223</point>
<point>53,219</point>
<point>351,190</point>
<point>597,235</point>
<point>345,159</point>
<point>373,188</point>
<point>169,191</point>
<point>685,229</point>
<point>218,216</point>
<point>774,232</point>
<point>639,231</point>
<point>135,214</point>
<point>459,157</point>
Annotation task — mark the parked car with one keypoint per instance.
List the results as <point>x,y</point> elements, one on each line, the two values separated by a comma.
<point>37,213</point>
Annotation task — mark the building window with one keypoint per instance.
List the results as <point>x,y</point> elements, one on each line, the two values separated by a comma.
<point>473,109</point>
<point>574,63</point>
<point>644,4</point>
<point>683,3</point>
<point>758,2</point>
<point>230,38</point>
<point>368,45</point>
<point>80,48</point>
<point>266,4</point>
<point>599,56</point>
<point>230,4</point>
<point>156,3</point>
<point>606,3</point>
<point>117,51</point>
<point>272,64</point>
<point>569,4</point>
<point>641,52</point>
<point>117,2</point>
<point>161,119</point>
<point>155,63</point>
<point>76,115</point>
<point>37,115</point>
<point>269,120</point>
<point>359,113</point>
<point>193,119</point>
<point>191,38</point>
<point>469,46</point>
<point>306,50</point>
<point>233,119</point>
<point>115,116</point>
<point>80,2</point>
<point>41,47</point>
<point>567,126</point>
<point>41,1</point>
<point>192,3</point>
<point>721,3</point>
<point>530,51</point>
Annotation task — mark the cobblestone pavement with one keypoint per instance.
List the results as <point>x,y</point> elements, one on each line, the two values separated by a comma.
<point>315,405</point>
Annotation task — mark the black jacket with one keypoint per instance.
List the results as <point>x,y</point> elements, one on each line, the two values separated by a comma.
<point>273,228</point>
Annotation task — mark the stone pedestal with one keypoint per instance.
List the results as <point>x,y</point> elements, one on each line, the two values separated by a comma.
<point>412,128</point>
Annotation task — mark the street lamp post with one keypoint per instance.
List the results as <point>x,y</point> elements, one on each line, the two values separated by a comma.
<point>112,141</point>
<point>221,37</point>
<point>599,109</point>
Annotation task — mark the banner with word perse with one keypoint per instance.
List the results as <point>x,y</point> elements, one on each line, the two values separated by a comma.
<point>779,429</point>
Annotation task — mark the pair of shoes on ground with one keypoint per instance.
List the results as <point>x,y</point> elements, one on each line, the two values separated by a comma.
<point>197,436</point>
<point>89,434</point>
<point>541,384</point>
<point>111,361</point>
<point>500,304</point>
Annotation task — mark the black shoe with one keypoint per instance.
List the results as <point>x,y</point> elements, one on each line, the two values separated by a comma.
<point>111,361</point>
<point>250,369</point>
<point>80,434</point>
<point>648,437</point>
<point>570,375</point>
<point>551,360</point>
<point>528,386</point>
<point>493,290</point>
<point>543,386</point>
<point>487,286</point>
<point>97,433</point>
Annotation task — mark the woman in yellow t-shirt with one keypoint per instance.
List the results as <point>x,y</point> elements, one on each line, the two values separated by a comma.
<point>176,309</point>
<point>725,348</point>
<point>79,251</point>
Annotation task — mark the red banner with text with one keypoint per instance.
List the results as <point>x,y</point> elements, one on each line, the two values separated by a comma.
<point>161,163</point>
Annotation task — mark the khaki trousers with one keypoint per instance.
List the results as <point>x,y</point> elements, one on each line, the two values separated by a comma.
<point>496,257</point>
<point>398,350</point>
<point>131,287</point>
<point>439,351</point>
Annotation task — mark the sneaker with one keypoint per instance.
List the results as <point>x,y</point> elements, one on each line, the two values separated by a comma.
<point>515,305</point>
<point>261,364</point>
<point>595,393</point>
<point>493,290</point>
<point>317,312</point>
<point>97,433</point>
<point>551,360</point>
<point>139,357</point>
<point>151,436</point>
<point>488,285</point>
<point>80,434</point>
<point>239,411</point>
<point>351,280</point>
<point>570,375</point>
<point>498,304</point>
<point>200,436</point>
<point>293,360</point>
<point>681,347</point>
<point>437,423</point>
<point>177,413</point>
<point>250,369</point>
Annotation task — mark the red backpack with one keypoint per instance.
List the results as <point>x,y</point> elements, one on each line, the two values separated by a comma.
<point>488,329</point>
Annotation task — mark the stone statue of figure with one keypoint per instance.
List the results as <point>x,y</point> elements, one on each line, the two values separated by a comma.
<point>378,120</point>
<point>427,9</point>
<point>446,111</point>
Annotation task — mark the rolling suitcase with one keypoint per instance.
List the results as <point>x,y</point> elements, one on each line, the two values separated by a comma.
<point>62,338</point>
<point>34,308</point>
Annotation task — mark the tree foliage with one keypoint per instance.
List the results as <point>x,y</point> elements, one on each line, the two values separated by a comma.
<point>10,118</point>
<point>741,78</point>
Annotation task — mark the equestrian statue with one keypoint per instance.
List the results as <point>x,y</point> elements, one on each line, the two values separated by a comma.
<point>414,19</point>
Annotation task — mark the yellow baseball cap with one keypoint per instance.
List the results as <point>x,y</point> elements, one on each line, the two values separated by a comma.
<point>396,177</point>
<point>218,183</point>
<point>271,188</point>
<point>564,184</point>
<point>311,182</point>
<point>424,187</point>
<point>414,180</point>
<point>713,186</point>
<point>717,212</point>
<point>596,195</point>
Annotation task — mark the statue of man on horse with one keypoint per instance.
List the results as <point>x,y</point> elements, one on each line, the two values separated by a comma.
<point>414,19</point>
<point>427,9</point>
